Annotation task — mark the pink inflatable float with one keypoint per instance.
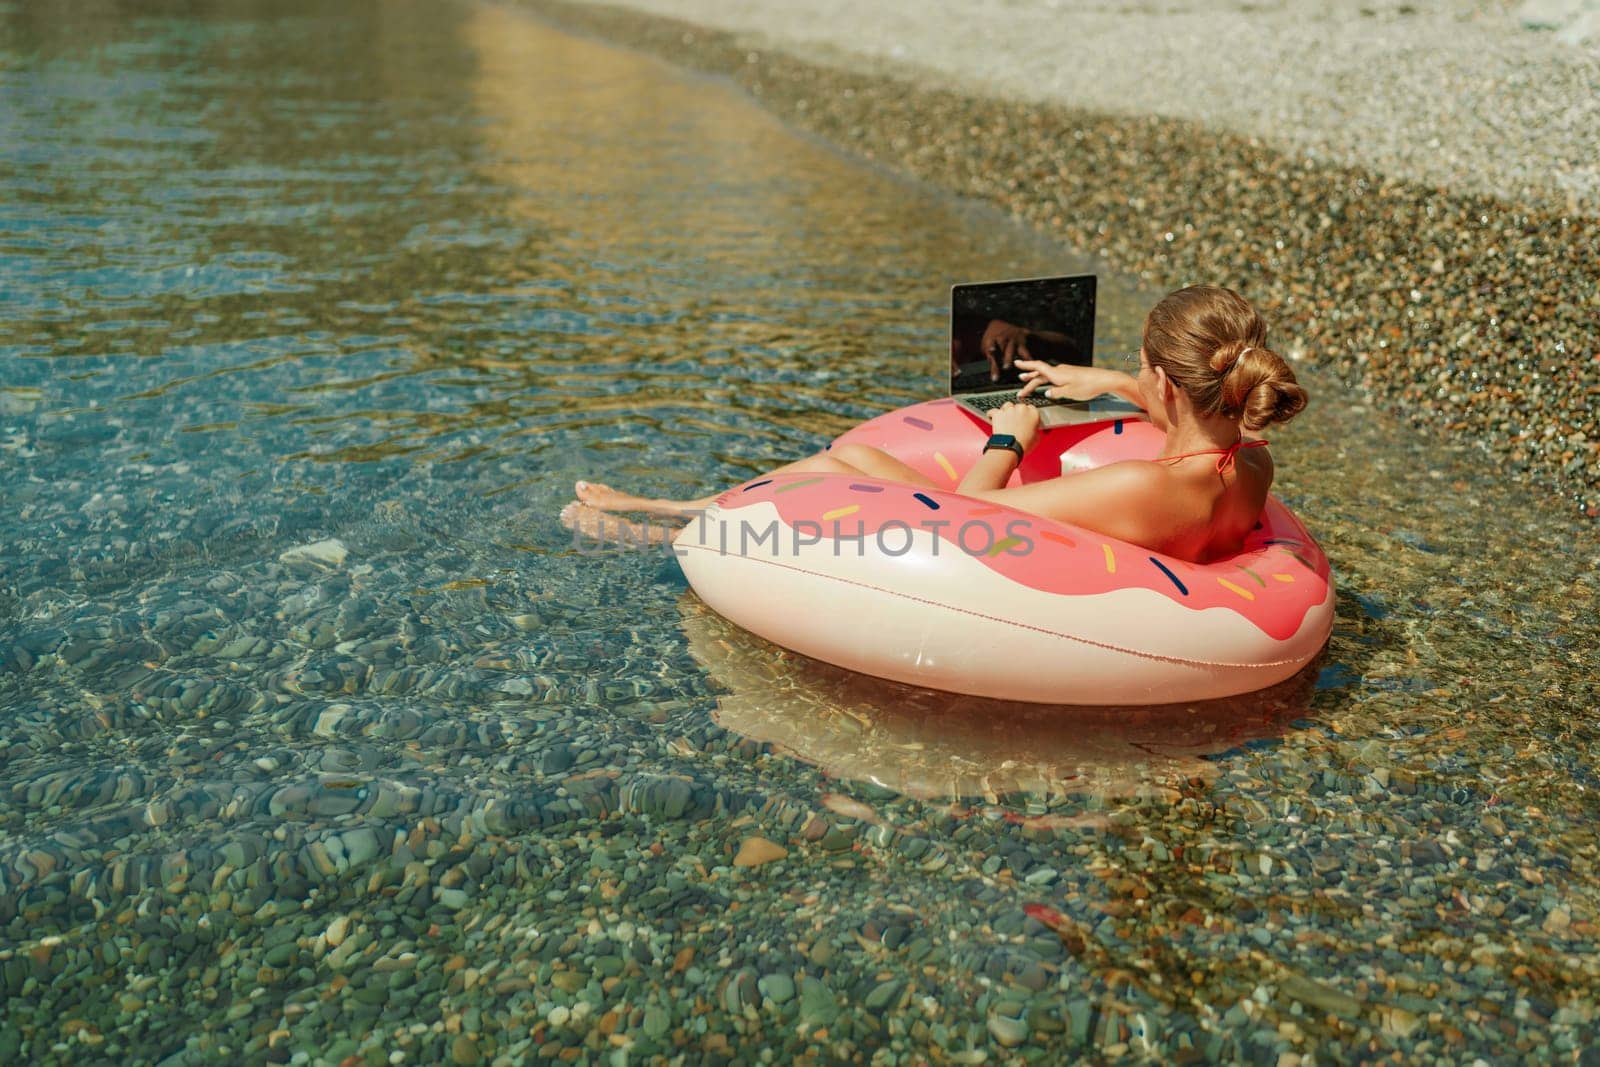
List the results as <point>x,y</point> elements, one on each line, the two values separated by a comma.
<point>945,591</point>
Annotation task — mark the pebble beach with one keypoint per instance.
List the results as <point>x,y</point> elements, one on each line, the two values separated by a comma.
<point>324,742</point>
<point>1411,194</point>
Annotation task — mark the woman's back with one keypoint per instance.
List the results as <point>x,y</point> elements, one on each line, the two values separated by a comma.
<point>1206,514</point>
<point>1206,378</point>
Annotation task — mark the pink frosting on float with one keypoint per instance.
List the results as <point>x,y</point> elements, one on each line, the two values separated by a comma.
<point>1274,581</point>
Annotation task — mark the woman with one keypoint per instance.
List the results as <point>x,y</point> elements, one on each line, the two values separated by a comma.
<point>1206,377</point>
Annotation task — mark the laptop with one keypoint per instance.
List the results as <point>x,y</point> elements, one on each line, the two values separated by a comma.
<point>1052,317</point>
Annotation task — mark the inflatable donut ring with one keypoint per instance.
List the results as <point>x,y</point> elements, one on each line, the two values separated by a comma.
<point>936,589</point>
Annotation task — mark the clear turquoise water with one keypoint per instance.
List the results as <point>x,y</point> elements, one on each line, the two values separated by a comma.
<point>395,275</point>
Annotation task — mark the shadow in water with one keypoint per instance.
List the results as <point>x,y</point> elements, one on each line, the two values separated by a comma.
<point>934,745</point>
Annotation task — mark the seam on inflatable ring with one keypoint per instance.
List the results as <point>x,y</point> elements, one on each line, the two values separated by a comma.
<point>1010,622</point>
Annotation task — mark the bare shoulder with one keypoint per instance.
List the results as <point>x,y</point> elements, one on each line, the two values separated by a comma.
<point>1131,500</point>
<point>1261,456</point>
<point>1131,480</point>
<point>1259,462</point>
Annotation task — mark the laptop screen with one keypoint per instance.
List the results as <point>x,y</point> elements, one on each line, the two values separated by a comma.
<point>1052,319</point>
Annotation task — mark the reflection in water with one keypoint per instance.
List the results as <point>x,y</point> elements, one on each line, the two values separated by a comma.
<point>719,290</point>
<point>930,745</point>
<point>263,263</point>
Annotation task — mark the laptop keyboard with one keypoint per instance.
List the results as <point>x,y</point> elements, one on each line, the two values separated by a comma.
<point>991,401</point>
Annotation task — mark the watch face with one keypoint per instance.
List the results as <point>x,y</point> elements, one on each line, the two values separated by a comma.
<point>1001,440</point>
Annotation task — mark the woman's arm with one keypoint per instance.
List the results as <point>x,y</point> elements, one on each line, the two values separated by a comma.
<point>991,471</point>
<point>1128,500</point>
<point>1078,383</point>
<point>1131,500</point>
<point>1126,386</point>
<point>993,468</point>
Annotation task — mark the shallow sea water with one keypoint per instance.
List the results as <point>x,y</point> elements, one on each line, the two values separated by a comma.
<point>454,788</point>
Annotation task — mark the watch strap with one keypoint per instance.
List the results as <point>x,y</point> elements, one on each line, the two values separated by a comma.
<point>1006,441</point>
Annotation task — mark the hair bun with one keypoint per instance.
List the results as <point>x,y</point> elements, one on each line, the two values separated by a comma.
<point>1261,388</point>
<point>1224,359</point>
<point>1213,344</point>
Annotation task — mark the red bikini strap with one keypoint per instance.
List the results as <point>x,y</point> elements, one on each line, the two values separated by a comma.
<point>1225,463</point>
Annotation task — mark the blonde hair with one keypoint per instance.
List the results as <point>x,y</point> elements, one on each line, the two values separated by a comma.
<point>1213,344</point>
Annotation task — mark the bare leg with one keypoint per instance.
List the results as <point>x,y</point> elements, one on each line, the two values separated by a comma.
<point>847,459</point>
<point>612,530</point>
<point>876,463</point>
<point>604,498</point>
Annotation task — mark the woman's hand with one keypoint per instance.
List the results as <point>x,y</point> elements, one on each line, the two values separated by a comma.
<point>1077,383</point>
<point>1074,383</point>
<point>1019,420</point>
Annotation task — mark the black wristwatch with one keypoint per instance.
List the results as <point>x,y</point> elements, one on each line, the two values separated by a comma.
<point>1004,440</point>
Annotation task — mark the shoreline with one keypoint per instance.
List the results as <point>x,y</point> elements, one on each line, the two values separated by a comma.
<point>1474,96</point>
<point>1459,312</point>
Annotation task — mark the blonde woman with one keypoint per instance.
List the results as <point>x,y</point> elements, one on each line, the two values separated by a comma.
<point>1206,377</point>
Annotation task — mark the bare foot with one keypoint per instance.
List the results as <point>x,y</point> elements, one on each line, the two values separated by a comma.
<point>609,531</point>
<point>605,498</point>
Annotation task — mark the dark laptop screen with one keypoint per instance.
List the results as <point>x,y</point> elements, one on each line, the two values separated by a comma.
<point>1053,317</point>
